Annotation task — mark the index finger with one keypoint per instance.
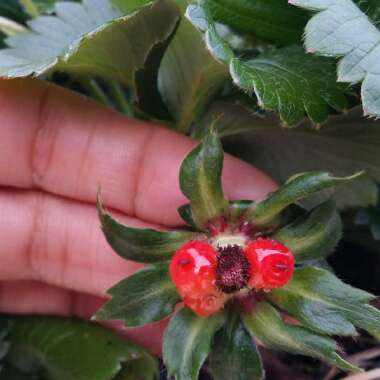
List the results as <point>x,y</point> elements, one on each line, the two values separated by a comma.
<point>59,142</point>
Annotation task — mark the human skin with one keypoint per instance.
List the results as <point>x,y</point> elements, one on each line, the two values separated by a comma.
<point>56,148</point>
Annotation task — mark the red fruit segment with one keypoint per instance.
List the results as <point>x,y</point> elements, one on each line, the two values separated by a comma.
<point>192,270</point>
<point>271,263</point>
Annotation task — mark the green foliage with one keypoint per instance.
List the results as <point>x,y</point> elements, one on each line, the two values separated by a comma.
<point>187,343</point>
<point>343,30</point>
<point>286,80</point>
<point>325,304</point>
<point>145,297</point>
<point>235,354</point>
<point>70,350</point>
<point>294,339</point>
<point>141,245</point>
<point>200,180</point>
<point>85,47</point>
<point>313,235</point>
<point>292,89</point>
<point>295,188</point>
<point>271,20</point>
<point>189,77</point>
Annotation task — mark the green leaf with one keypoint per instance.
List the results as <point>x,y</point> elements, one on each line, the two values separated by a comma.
<point>292,83</point>
<point>200,17</point>
<point>347,144</point>
<point>189,76</point>
<point>93,38</point>
<point>187,343</point>
<point>325,304</point>
<point>296,188</point>
<point>200,180</point>
<point>12,9</point>
<point>141,245</point>
<point>266,325</point>
<point>147,296</point>
<point>139,369</point>
<point>69,349</point>
<point>343,30</point>
<point>371,8</point>
<point>271,20</point>
<point>314,235</point>
<point>234,354</point>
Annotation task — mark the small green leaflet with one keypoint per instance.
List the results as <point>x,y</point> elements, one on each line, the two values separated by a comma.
<point>285,80</point>
<point>141,245</point>
<point>90,38</point>
<point>265,324</point>
<point>314,235</point>
<point>341,29</point>
<point>147,296</point>
<point>325,304</point>
<point>69,349</point>
<point>234,353</point>
<point>200,180</point>
<point>292,83</point>
<point>187,343</point>
<point>295,188</point>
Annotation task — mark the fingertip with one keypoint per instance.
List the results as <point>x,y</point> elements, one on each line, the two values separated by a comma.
<point>243,181</point>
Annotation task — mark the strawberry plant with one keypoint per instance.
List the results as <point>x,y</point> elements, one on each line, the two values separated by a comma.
<point>291,87</point>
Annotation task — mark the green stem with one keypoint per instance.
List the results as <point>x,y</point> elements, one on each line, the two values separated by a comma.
<point>93,88</point>
<point>30,8</point>
<point>121,102</point>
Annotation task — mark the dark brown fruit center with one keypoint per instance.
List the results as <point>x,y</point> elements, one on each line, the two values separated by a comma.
<point>232,270</point>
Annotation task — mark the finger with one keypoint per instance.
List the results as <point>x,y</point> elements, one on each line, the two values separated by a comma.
<point>57,241</point>
<point>38,298</point>
<point>67,145</point>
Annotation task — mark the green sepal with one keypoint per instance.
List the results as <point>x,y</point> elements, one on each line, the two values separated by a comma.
<point>147,296</point>
<point>314,235</point>
<point>234,353</point>
<point>324,303</point>
<point>187,343</point>
<point>265,324</point>
<point>140,245</point>
<point>296,188</point>
<point>200,180</point>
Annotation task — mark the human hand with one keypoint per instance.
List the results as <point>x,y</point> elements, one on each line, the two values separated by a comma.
<point>56,148</point>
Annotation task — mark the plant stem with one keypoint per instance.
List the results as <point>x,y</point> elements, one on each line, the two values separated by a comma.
<point>121,102</point>
<point>30,8</point>
<point>94,89</point>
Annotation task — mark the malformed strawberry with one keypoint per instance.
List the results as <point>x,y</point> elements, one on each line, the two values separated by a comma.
<point>193,271</point>
<point>271,264</point>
